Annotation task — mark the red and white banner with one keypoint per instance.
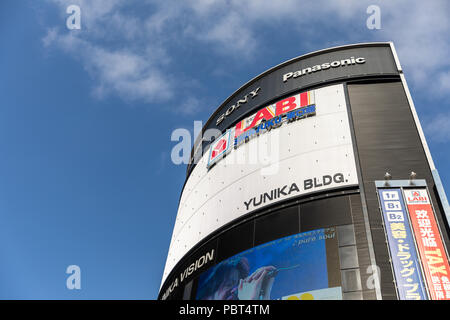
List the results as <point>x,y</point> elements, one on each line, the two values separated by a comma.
<point>429,242</point>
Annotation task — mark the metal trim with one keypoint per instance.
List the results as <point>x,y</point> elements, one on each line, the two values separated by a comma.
<point>441,194</point>
<point>413,110</point>
<point>400,183</point>
<point>361,187</point>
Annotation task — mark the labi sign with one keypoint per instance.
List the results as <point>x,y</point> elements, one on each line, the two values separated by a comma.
<point>290,109</point>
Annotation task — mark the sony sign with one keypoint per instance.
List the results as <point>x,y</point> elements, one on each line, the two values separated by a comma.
<point>235,106</point>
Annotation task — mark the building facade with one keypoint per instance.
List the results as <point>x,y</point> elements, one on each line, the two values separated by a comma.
<point>313,181</point>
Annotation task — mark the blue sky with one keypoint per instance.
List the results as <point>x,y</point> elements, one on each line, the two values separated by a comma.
<point>86,118</point>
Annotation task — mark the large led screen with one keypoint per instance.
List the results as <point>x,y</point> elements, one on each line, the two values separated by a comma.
<point>298,267</point>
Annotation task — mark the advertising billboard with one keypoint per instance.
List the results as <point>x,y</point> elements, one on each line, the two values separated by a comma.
<point>404,258</point>
<point>297,267</point>
<point>429,242</point>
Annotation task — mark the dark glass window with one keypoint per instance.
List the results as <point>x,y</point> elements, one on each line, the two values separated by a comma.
<point>277,225</point>
<point>236,240</point>
<point>325,213</point>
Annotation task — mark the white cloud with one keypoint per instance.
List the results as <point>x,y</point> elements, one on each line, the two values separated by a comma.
<point>438,128</point>
<point>121,71</point>
<point>129,52</point>
<point>229,33</point>
<point>50,37</point>
<point>420,33</point>
<point>444,81</point>
<point>190,106</point>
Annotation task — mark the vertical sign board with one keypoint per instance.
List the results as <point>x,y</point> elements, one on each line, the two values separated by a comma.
<point>429,242</point>
<point>401,244</point>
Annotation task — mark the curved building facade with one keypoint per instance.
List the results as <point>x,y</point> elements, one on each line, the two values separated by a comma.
<point>313,181</point>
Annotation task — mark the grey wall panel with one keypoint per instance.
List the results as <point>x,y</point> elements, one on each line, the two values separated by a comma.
<point>362,246</point>
<point>387,141</point>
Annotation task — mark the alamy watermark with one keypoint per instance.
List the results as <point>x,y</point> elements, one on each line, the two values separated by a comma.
<point>374,20</point>
<point>262,151</point>
<point>74,280</point>
<point>73,21</point>
<point>373,281</point>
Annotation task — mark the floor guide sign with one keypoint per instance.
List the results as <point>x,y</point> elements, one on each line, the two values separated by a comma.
<point>418,255</point>
<point>404,257</point>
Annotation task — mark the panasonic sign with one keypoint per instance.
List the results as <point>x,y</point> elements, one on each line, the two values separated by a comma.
<point>323,66</point>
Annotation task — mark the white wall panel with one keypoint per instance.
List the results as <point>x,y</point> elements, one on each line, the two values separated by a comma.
<point>307,148</point>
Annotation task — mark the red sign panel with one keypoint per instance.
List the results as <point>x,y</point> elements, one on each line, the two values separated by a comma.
<point>429,242</point>
<point>219,148</point>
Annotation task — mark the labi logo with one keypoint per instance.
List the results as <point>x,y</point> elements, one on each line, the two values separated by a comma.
<point>416,197</point>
